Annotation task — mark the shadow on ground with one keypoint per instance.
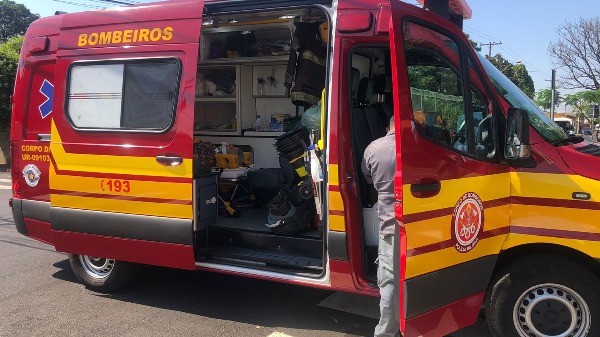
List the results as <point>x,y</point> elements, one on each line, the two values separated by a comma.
<point>226,297</point>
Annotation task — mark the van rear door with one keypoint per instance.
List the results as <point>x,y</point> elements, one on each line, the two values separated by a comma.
<point>121,137</point>
<point>453,214</point>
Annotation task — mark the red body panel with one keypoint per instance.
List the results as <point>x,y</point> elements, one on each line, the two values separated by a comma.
<point>148,252</point>
<point>27,121</point>
<point>447,319</point>
<point>39,230</point>
<point>581,163</point>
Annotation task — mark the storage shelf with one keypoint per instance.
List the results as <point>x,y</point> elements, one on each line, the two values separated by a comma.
<point>263,133</point>
<point>228,28</point>
<point>247,60</point>
<point>216,132</point>
<point>215,99</point>
<point>270,96</point>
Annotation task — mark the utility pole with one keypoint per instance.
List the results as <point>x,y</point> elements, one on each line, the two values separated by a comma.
<point>552,85</point>
<point>490,44</point>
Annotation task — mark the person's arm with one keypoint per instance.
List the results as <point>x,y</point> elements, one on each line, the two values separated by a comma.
<point>366,167</point>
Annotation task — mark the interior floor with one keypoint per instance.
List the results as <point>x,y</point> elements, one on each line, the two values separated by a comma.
<point>247,242</point>
<point>254,219</point>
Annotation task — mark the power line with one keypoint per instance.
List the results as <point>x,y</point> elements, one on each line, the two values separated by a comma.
<point>480,33</point>
<point>490,45</point>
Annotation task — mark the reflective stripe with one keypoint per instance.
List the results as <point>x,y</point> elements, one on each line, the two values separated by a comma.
<point>310,56</point>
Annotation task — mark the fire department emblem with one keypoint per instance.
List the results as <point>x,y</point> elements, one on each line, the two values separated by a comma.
<point>31,174</point>
<point>467,222</point>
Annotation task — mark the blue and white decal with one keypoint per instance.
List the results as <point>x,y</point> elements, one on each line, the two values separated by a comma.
<point>47,89</point>
<point>31,174</point>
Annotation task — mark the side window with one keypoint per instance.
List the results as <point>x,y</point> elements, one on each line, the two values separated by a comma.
<point>138,95</point>
<point>485,146</point>
<point>438,95</point>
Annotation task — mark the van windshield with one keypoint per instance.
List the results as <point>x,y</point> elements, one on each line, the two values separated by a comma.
<point>517,99</point>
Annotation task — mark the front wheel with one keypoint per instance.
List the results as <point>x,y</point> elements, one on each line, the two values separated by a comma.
<point>544,296</point>
<point>101,274</point>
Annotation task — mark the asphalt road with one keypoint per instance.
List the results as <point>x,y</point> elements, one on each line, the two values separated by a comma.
<point>39,296</point>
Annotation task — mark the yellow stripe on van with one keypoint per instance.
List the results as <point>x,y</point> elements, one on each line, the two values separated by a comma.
<point>337,223</point>
<point>127,188</point>
<point>590,248</point>
<point>556,218</point>
<point>335,201</point>
<point>333,175</point>
<point>553,186</point>
<point>123,206</point>
<point>486,186</point>
<point>141,166</point>
<point>444,258</point>
<point>436,230</point>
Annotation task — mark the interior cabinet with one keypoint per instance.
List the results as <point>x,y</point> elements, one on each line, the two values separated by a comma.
<point>249,42</point>
<point>229,95</point>
<point>217,100</point>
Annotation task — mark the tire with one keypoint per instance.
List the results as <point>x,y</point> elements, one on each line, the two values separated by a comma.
<point>100,274</point>
<point>543,296</point>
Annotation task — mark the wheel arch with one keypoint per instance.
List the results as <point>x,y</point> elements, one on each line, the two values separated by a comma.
<point>512,254</point>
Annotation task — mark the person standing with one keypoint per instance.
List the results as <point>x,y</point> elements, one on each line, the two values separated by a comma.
<point>379,167</point>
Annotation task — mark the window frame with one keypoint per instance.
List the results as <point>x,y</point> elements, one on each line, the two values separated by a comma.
<point>124,62</point>
<point>465,53</point>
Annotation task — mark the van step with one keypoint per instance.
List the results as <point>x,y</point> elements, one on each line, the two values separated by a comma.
<point>228,254</point>
<point>308,246</point>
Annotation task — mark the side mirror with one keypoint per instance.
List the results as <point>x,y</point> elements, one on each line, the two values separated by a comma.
<point>517,135</point>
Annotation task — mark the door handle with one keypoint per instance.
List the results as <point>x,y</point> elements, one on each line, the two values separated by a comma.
<point>43,137</point>
<point>169,159</point>
<point>426,188</point>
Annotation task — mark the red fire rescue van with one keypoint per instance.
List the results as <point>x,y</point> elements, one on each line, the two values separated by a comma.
<point>175,134</point>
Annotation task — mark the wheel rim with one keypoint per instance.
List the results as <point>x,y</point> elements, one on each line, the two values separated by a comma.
<point>551,310</point>
<point>97,267</point>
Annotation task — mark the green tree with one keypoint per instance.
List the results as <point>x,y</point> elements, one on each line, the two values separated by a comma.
<point>474,44</point>
<point>517,73</point>
<point>522,79</point>
<point>544,96</point>
<point>9,59</point>
<point>581,103</point>
<point>14,19</point>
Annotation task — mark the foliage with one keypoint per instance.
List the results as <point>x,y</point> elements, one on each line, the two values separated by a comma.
<point>9,59</point>
<point>582,101</point>
<point>522,79</point>
<point>517,73</point>
<point>14,20</point>
<point>544,96</point>
<point>474,44</point>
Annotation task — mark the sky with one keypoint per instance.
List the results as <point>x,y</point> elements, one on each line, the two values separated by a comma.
<point>525,27</point>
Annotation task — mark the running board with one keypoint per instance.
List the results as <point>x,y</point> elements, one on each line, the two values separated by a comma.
<point>245,256</point>
<point>300,245</point>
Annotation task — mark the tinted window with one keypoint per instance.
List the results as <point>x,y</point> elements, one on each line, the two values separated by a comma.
<point>442,112</point>
<point>123,96</point>
<point>436,86</point>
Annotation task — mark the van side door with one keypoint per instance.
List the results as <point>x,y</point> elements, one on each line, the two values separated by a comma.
<point>452,189</point>
<point>121,135</point>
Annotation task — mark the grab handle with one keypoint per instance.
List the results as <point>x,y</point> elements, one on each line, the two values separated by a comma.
<point>169,159</point>
<point>426,188</point>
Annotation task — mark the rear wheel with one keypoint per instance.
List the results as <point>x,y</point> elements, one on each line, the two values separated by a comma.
<point>101,274</point>
<point>544,296</point>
